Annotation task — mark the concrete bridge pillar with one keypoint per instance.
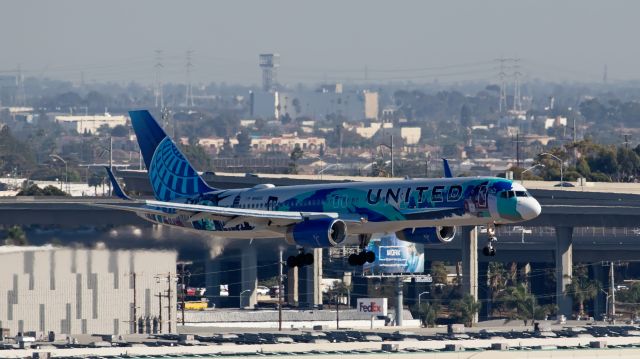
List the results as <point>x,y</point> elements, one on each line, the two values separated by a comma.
<point>212,280</point>
<point>470,262</point>
<point>292,286</point>
<point>313,280</point>
<point>564,269</point>
<point>249,277</point>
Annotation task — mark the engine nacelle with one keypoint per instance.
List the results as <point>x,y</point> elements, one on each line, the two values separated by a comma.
<point>317,233</point>
<point>428,235</point>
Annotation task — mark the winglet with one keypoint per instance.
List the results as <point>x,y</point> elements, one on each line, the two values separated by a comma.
<point>117,190</point>
<point>447,170</point>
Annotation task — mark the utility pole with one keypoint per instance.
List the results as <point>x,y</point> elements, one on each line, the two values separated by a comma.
<point>517,104</point>
<point>183,285</point>
<point>502,75</point>
<point>612,290</point>
<point>169,301</point>
<point>337,311</point>
<point>189,95</point>
<point>135,306</point>
<point>280,263</point>
<point>391,148</point>
<point>159,85</point>
<point>159,295</point>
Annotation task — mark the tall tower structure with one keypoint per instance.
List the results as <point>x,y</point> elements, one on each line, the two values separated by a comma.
<point>269,64</point>
<point>189,96</point>
<point>502,75</point>
<point>517,99</point>
<point>21,97</point>
<point>159,85</point>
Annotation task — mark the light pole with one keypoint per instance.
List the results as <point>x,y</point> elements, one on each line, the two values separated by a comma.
<point>529,169</point>
<point>66,169</point>
<point>419,296</point>
<point>561,166</point>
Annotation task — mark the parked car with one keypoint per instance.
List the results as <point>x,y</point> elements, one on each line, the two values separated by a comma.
<point>262,290</point>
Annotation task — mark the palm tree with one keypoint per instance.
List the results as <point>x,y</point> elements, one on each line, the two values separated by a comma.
<point>428,312</point>
<point>582,288</point>
<point>465,309</point>
<point>496,280</point>
<point>519,302</point>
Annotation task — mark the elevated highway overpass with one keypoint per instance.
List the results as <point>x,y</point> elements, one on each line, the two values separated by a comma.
<point>598,222</point>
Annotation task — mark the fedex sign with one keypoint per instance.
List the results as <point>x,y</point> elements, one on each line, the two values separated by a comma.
<point>373,306</point>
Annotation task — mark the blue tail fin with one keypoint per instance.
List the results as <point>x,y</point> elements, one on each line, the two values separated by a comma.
<point>171,175</point>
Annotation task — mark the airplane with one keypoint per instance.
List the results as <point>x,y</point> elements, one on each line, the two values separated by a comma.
<point>320,215</point>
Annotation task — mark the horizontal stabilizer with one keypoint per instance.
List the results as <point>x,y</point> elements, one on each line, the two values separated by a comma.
<point>117,190</point>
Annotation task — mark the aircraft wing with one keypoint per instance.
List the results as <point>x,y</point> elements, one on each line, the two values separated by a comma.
<point>231,216</point>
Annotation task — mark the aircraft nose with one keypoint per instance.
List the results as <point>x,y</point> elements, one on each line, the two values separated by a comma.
<point>529,208</point>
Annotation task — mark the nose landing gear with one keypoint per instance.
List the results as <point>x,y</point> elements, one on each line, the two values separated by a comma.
<point>301,260</point>
<point>490,249</point>
<point>364,256</point>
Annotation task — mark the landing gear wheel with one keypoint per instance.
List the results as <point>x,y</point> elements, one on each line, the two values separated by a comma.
<point>486,251</point>
<point>292,261</point>
<point>353,260</point>
<point>308,259</point>
<point>370,257</point>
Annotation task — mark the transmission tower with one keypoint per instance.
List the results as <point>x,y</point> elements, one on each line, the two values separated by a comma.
<point>20,93</point>
<point>502,75</point>
<point>159,85</point>
<point>517,104</point>
<point>189,96</point>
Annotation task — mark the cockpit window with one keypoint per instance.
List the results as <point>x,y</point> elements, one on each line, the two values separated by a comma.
<point>511,194</point>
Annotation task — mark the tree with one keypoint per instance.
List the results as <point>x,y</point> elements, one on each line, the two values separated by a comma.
<point>243,148</point>
<point>519,302</point>
<point>119,131</point>
<point>439,272</point>
<point>34,190</point>
<point>582,288</point>
<point>465,309</point>
<point>96,179</point>
<point>295,155</point>
<point>497,280</point>
<point>428,312</point>
<point>16,237</point>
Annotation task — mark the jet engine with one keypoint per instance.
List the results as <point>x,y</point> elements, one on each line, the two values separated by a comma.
<point>317,233</point>
<point>428,235</point>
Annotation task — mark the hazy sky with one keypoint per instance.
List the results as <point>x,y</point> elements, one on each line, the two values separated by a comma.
<point>333,40</point>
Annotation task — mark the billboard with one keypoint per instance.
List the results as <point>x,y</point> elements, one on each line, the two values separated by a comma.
<point>373,306</point>
<point>394,256</point>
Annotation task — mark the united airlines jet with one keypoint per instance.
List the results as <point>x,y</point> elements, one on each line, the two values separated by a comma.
<point>321,215</point>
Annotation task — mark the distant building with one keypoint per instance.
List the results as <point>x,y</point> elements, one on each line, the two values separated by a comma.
<point>550,122</point>
<point>90,124</point>
<point>284,143</point>
<point>316,105</point>
<point>82,291</point>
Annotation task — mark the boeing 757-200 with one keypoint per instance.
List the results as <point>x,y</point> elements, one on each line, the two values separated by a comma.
<point>320,215</point>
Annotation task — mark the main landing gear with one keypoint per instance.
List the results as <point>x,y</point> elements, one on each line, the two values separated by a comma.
<point>490,249</point>
<point>364,256</point>
<point>301,260</point>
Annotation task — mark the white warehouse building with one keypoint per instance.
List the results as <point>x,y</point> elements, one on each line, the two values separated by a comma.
<point>90,124</point>
<point>83,291</point>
